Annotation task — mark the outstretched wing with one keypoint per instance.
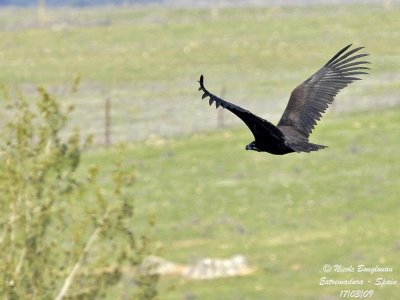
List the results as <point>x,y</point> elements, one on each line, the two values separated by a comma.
<point>258,126</point>
<point>311,98</point>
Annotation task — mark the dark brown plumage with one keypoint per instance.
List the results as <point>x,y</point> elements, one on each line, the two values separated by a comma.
<point>306,105</point>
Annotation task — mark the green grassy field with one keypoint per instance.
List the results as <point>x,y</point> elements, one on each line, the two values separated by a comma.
<point>289,215</point>
<point>147,60</point>
<point>143,45</point>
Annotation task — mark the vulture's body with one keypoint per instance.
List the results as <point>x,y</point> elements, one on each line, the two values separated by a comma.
<point>305,107</point>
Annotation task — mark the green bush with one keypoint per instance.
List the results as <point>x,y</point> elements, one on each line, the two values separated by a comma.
<point>62,235</point>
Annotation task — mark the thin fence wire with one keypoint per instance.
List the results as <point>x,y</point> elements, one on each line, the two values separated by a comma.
<point>113,120</point>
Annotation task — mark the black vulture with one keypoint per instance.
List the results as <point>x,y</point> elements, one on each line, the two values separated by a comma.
<point>306,104</point>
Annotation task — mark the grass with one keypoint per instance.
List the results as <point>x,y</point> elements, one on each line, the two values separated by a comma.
<point>142,45</point>
<point>289,215</point>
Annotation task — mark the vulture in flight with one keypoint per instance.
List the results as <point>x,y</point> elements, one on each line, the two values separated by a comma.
<point>306,104</point>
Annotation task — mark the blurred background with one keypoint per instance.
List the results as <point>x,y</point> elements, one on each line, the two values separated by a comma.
<point>138,62</point>
<point>145,60</point>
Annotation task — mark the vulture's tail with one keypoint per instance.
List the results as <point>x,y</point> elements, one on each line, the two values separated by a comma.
<point>305,146</point>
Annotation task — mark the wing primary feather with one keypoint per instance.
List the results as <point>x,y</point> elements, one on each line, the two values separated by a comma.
<point>354,69</point>
<point>338,54</point>
<point>201,81</point>
<point>348,54</point>
<point>353,73</point>
<point>342,62</point>
<point>211,101</point>
<point>356,63</point>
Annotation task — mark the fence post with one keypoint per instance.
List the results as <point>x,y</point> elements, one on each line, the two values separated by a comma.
<point>42,4</point>
<point>107,122</point>
<point>215,9</point>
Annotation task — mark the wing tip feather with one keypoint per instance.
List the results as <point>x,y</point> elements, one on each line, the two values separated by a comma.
<point>201,82</point>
